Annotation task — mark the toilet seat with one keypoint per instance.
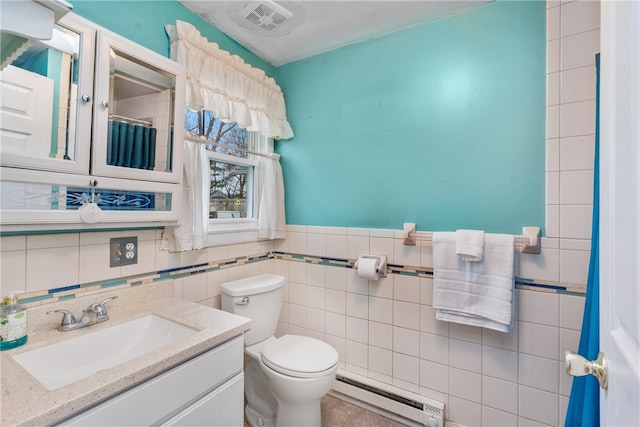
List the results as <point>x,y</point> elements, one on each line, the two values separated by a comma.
<point>298,356</point>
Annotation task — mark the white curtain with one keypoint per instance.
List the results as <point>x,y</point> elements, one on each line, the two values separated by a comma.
<point>235,92</point>
<point>225,84</point>
<point>192,232</point>
<point>271,215</point>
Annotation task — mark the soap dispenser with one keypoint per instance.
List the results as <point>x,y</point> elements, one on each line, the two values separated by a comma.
<point>13,323</point>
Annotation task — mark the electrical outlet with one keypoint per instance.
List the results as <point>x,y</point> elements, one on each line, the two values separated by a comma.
<point>124,251</point>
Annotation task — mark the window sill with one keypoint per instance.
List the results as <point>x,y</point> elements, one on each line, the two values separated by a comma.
<point>232,231</point>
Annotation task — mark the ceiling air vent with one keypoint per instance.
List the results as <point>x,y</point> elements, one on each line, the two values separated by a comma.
<point>265,15</point>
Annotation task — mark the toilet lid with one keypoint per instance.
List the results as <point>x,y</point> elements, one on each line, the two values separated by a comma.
<point>299,356</point>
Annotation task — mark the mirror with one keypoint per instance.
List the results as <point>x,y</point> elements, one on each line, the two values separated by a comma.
<point>140,104</point>
<point>39,105</point>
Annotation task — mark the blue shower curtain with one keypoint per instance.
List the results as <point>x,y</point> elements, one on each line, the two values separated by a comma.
<point>584,402</point>
<point>131,146</point>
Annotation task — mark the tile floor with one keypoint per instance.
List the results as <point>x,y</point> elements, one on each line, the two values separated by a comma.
<point>338,413</point>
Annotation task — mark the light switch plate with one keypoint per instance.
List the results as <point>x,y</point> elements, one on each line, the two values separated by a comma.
<point>123,251</point>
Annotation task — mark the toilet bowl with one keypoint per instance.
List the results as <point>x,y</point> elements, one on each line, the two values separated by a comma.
<point>285,377</point>
<point>297,372</point>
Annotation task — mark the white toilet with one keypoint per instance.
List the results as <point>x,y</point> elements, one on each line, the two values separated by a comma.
<point>285,377</point>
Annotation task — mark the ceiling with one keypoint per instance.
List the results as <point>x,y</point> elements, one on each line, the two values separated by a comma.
<point>316,26</point>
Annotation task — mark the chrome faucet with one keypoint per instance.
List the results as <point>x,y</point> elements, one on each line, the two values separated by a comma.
<point>91,315</point>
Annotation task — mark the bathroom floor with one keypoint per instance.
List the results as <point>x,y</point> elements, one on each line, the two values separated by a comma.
<point>338,413</point>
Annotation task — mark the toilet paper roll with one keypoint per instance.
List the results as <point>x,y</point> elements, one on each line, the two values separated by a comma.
<point>368,268</point>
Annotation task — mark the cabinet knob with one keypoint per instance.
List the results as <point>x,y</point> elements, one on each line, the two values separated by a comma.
<point>105,104</point>
<point>86,98</point>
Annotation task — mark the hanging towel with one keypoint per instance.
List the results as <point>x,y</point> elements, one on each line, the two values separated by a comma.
<point>470,244</point>
<point>474,293</point>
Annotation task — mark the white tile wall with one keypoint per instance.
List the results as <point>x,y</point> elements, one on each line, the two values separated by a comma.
<point>464,411</point>
<point>500,363</point>
<point>387,329</point>
<point>499,394</point>
<point>572,42</point>
<point>493,417</point>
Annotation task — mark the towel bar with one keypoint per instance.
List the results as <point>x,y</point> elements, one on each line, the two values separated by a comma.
<point>528,241</point>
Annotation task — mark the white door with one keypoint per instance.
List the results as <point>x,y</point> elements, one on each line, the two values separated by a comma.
<point>620,210</point>
<point>25,113</point>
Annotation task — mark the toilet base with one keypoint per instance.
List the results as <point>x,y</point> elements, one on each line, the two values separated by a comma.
<point>307,415</point>
<point>296,414</point>
<point>255,419</point>
<point>275,399</point>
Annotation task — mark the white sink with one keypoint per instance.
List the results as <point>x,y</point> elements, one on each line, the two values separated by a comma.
<point>68,361</point>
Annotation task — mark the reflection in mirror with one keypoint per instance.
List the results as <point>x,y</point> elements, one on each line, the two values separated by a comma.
<point>22,195</point>
<point>141,103</point>
<point>39,98</point>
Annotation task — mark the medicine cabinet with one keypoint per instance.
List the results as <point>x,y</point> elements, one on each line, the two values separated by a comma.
<point>89,116</point>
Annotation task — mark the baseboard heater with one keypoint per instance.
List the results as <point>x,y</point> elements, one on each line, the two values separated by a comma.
<point>420,409</point>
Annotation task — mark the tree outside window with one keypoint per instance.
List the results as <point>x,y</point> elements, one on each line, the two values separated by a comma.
<point>229,181</point>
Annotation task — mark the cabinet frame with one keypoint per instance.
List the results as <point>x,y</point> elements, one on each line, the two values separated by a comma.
<point>105,42</point>
<point>79,165</point>
<point>32,219</point>
<point>91,139</point>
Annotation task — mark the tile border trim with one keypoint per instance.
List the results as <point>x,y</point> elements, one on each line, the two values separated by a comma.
<point>78,290</point>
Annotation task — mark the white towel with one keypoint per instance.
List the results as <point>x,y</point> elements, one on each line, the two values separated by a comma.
<point>470,244</point>
<point>474,293</point>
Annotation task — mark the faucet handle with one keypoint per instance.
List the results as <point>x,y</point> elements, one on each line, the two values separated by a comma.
<point>100,309</point>
<point>68,317</point>
<point>109,299</point>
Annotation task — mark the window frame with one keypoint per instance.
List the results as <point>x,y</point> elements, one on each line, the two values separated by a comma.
<point>223,231</point>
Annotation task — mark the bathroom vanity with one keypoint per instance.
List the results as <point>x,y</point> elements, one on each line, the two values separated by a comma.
<point>195,380</point>
<point>207,390</point>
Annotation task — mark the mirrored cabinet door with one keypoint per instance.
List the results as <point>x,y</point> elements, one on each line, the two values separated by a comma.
<point>139,94</point>
<point>46,102</point>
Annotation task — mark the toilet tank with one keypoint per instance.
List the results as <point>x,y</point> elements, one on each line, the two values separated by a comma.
<point>259,298</point>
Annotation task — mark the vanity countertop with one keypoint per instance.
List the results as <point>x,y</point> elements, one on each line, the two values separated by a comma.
<point>27,402</point>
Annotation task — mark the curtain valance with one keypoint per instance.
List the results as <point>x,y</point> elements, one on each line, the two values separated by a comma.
<point>224,84</point>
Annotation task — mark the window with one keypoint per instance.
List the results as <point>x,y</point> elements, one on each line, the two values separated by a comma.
<point>233,169</point>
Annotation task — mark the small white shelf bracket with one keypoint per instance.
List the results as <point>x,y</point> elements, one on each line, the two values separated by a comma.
<point>409,233</point>
<point>533,234</point>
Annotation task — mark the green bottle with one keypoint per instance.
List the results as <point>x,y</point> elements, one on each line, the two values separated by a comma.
<point>13,323</point>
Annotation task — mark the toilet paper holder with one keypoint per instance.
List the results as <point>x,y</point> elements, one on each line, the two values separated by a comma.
<point>382,267</point>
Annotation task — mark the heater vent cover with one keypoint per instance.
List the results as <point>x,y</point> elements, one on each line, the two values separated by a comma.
<point>265,15</point>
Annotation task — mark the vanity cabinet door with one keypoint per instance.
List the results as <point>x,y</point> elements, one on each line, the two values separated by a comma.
<point>222,407</point>
<point>46,102</point>
<point>168,395</point>
<point>138,96</point>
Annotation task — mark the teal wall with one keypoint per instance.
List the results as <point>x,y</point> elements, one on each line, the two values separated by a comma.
<point>143,22</point>
<point>442,124</point>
